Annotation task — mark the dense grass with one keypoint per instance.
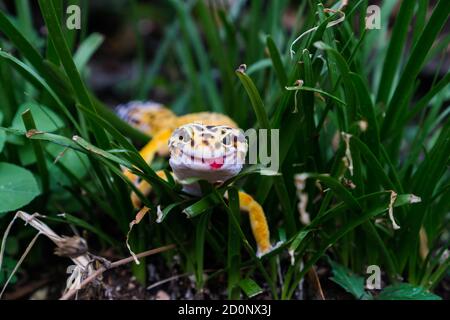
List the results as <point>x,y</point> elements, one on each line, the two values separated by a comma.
<point>361,131</point>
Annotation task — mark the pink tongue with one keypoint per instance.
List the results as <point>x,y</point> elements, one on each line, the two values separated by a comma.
<point>215,165</point>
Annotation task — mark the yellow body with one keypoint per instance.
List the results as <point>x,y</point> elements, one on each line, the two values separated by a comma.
<point>160,123</point>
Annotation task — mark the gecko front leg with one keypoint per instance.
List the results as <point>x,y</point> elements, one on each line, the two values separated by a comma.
<point>158,145</point>
<point>145,189</point>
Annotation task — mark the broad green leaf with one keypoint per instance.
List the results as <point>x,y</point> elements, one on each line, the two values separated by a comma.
<point>26,154</point>
<point>17,187</point>
<point>406,291</point>
<point>77,163</point>
<point>64,158</point>
<point>45,119</point>
<point>351,282</point>
<point>58,177</point>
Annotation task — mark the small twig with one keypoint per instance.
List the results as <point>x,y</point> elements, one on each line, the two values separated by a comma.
<point>175,277</point>
<point>69,294</point>
<point>19,263</point>
<point>329,25</point>
<point>82,261</point>
<point>395,226</point>
<point>297,86</point>
<point>314,278</point>
<point>139,216</point>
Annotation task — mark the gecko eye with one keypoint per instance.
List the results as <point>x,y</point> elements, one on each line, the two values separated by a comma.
<point>182,136</point>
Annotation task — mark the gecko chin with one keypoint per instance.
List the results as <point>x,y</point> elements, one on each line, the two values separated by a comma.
<point>214,170</point>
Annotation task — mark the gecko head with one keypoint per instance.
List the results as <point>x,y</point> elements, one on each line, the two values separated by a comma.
<point>148,116</point>
<point>212,153</point>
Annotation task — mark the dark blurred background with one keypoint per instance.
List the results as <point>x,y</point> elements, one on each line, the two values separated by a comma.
<point>134,30</point>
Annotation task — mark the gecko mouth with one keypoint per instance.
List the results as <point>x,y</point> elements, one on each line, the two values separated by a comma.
<point>214,163</point>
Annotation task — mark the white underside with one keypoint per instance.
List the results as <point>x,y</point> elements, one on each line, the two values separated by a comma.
<point>201,171</point>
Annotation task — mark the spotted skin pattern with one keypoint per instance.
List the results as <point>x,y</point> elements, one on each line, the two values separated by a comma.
<point>203,145</point>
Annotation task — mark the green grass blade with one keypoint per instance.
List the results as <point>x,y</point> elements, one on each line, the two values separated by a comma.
<point>22,44</point>
<point>80,90</point>
<point>200,231</point>
<point>276,62</point>
<point>86,49</point>
<point>220,54</point>
<point>367,214</point>
<point>36,79</point>
<point>29,123</point>
<point>68,218</point>
<point>250,287</point>
<point>414,65</point>
<point>392,62</point>
<point>192,37</point>
<point>255,99</point>
<point>233,247</point>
